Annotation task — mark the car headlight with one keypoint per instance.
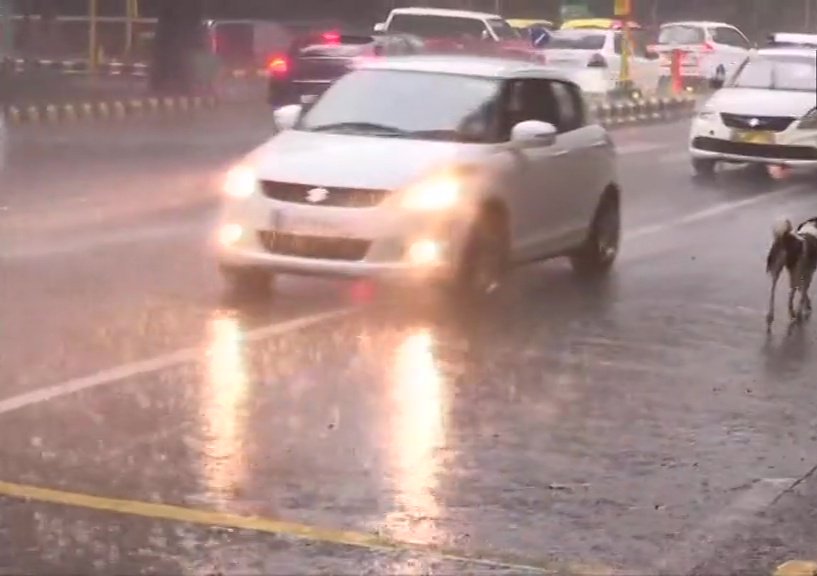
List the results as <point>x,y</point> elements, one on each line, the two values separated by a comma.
<point>439,193</point>
<point>809,121</point>
<point>240,182</point>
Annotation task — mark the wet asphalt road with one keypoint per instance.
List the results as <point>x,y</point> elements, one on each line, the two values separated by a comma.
<point>632,426</point>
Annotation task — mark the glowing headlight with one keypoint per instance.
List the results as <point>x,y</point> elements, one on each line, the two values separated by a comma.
<point>809,121</point>
<point>436,194</point>
<point>240,182</point>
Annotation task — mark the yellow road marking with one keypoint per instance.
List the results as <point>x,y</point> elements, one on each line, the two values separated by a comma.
<point>796,568</point>
<point>279,527</point>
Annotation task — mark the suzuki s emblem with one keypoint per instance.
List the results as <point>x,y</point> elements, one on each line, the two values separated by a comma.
<point>754,122</point>
<point>317,195</point>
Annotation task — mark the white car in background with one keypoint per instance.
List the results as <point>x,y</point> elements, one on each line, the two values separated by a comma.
<point>594,54</point>
<point>765,114</point>
<point>500,166</point>
<point>710,49</point>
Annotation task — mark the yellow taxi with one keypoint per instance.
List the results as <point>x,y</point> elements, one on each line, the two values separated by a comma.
<point>598,23</point>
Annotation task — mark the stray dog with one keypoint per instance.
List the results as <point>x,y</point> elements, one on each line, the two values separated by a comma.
<point>796,251</point>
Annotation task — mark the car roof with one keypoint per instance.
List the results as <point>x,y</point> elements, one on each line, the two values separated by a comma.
<point>794,38</point>
<point>487,67</point>
<point>805,51</point>
<point>445,12</point>
<point>701,23</point>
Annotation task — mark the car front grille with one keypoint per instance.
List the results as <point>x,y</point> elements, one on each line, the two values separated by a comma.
<point>769,123</point>
<point>755,150</point>
<point>318,247</point>
<point>337,197</point>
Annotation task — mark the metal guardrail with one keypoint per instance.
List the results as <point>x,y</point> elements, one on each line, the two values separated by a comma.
<point>111,68</point>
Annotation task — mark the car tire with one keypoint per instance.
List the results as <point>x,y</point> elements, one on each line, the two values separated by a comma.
<point>598,253</point>
<point>484,261</point>
<point>247,283</point>
<point>703,167</point>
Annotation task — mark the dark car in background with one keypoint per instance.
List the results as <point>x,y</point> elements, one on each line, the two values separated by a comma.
<point>314,61</point>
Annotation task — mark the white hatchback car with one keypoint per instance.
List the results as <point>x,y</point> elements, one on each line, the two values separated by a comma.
<point>710,49</point>
<point>595,55</point>
<point>432,168</point>
<point>765,114</point>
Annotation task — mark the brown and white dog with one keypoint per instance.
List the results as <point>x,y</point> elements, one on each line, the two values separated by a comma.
<point>796,251</point>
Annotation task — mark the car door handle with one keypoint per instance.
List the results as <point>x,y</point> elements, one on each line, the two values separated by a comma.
<point>599,144</point>
<point>560,153</point>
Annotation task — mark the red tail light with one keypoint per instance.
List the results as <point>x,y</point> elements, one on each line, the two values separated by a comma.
<point>278,65</point>
<point>597,61</point>
<point>331,37</point>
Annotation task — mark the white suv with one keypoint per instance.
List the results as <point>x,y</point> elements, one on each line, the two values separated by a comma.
<point>497,165</point>
<point>710,49</point>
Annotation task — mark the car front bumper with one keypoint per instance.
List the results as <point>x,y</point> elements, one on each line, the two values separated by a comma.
<point>711,139</point>
<point>370,242</point>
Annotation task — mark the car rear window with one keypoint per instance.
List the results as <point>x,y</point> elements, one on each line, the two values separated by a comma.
<point>681,35</point>
<point>577,40</point>
<point>436,26</point>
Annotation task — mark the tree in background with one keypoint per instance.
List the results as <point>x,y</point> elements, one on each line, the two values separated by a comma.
<point>178,41</point>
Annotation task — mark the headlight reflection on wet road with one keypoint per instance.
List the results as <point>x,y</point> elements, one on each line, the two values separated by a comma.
<point>418,430</point>
<point>223,409</point>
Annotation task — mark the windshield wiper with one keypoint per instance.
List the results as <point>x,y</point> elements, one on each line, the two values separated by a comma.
<point>365,127</point>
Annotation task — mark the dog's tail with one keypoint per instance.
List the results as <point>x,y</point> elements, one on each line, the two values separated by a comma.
<point>776,259</point>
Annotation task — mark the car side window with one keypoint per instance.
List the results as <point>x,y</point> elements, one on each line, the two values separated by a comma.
<point>527,99</point>
<point>569,105</point>
<point>729,37</point>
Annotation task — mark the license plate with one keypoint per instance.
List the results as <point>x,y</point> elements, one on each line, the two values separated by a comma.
<point>753,136</point>
<point>301,224</point>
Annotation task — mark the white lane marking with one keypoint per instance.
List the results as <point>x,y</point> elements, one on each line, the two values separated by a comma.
<point>158,363</point>
<point>707,213</point>
<point>170,360</point>
<point>700,544</point>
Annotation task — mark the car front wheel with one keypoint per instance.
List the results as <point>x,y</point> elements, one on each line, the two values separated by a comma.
<point>484,260</point>
<point>596,256</point>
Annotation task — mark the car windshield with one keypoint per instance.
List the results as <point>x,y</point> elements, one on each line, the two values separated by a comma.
<point>795,73</point>
<point>393,103</point>
<point>503,30</point>
<point>431,26</point>
<point>577,40</point>
<point>681,35</point>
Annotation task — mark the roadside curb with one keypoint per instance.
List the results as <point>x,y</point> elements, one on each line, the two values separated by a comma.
<point>110,68</point>
<point>646,111</point>
<point>106,110</point>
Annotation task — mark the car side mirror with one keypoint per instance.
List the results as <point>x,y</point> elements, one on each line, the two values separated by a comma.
<point>380,27</point>
<point>534,132</point>
<point>287,116</point>
<point>716,82</point>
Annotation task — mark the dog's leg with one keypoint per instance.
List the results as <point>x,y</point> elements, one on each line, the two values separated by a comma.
<point>805,299</point>
<point>792,291</point>
<point>770,313</point>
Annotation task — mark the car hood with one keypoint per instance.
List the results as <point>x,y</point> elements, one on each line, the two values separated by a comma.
<point>748,101</point>
<point>353,161</point>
